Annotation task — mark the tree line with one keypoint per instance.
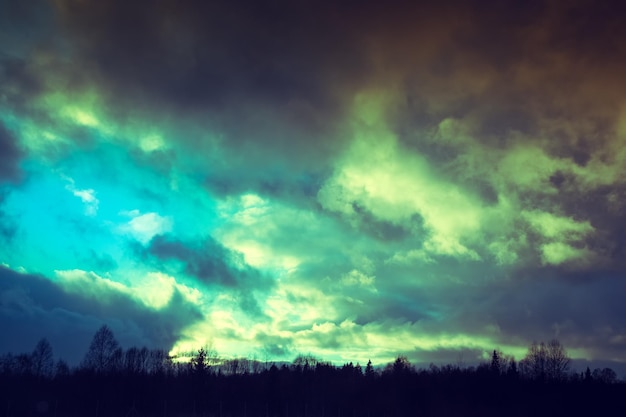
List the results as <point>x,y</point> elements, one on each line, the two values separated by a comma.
<point>111,381</point>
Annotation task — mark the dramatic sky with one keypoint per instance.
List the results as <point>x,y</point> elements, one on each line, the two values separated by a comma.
<point>354,180</point>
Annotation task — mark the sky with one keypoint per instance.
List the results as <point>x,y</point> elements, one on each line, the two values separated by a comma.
<point>353,180</point>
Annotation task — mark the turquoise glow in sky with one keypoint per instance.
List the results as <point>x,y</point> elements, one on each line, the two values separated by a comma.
<point>233,177</point>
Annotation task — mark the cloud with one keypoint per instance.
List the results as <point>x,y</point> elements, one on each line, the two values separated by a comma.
<point>70,311</point>
<point>90,285</point>
<point>547,305</point>
<point>215,268</point>
<point>395,186</point>
<point>20,82</point>
<point>186,74</point>
<point>220,78</point>
<point>207,261</point>
<point>155,289</point>
<point>270,234</point>
<point>10,155</point>
<point>380,341</point>
<point>15,17</point>
<point>8,224</point>
<point>425,178</point>
<point>144,227</point>
<point>358,278</point>
<point>559,234</point>
<point>87,196</point>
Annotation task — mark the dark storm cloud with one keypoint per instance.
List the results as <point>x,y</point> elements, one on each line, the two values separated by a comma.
<point>10,154</point>
<point>20,82</point>
<point>507,66</point>
<point>24,81</point>
<point>261,95</point>
<point>274,346</point>
<point>223,54</point>
<point>8,223</point>
<point>368,224</point>
<point>402,309</point>
<point>462,357</point>
<point>604,208</point>
<point>213,264</point>
<point>282,73</point>
<point>25,31</point>
<point>202,53</point>
<point>583,310</point>
<point>24,24</point>
<point>8,227</point>
<point>208,261</point>
<point>32,307</point>
<point>245,176</point>
<point>589,29</point>
<point>256,72</point>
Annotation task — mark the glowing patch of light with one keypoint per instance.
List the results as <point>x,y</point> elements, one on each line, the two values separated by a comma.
<point>144,227</point>
<point>80,116</point>
<point>87,196</point>
<point>151,143</point>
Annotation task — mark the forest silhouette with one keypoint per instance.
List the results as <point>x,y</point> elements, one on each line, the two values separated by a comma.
<point>112,382</point>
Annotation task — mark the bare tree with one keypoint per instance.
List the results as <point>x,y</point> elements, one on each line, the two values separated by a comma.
<point>42,360</point>
<point>534,363</point>
<point>256,366</point>
<point>605,376</point>
<point>104,353</point>
<point>143,357</point>
<point>24,364</point>
<point>211,355</point>
<point>401,366</point>
<point>232,366</point>
<point>132,361</point>
<point>546,361</point>
<point>159,362</point>
<point>61,369</point>
<point>557,360</point>
<point>302,361</point>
